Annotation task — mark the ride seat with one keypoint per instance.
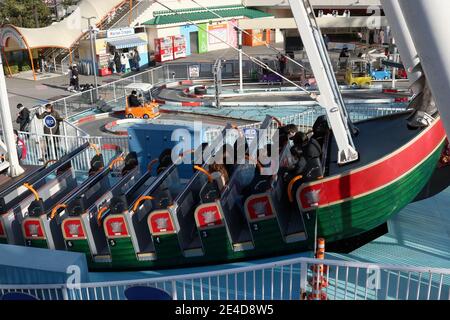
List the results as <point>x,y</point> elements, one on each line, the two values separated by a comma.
<point>210,192</point>
<point>76,208</point>
<point>131,162</point>
<point>36,208</point>
<point>118,204</point>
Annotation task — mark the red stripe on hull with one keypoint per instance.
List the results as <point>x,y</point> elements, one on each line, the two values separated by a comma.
<point>362,181</point>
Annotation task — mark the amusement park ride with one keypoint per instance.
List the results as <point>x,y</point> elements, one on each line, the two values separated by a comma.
<point>176,215</point>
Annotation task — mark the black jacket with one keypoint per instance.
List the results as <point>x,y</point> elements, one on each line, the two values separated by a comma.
<point>23,119</point>
<point>133,101</point>
<point>58,119</point>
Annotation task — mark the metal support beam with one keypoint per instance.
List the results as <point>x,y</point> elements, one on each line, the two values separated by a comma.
<point>217,72</point>
<point>241,76</point>
<point>15,169</point>
<point>428,23</point>
<point>330,97</point>
<point>405,44</point>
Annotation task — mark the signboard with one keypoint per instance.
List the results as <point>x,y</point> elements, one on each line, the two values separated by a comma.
<point>218,33</point>
<point>50,122</point>
<point>250,135</point>
<point>114,33</point>
<point>194,71</point>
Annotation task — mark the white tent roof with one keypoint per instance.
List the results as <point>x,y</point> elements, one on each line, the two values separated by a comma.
<point>64,33</point>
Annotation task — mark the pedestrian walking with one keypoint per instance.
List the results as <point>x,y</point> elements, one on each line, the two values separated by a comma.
<point>23,118</point>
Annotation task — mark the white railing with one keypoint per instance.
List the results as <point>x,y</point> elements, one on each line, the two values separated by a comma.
<point>46,147</point>
<point>281,280</point>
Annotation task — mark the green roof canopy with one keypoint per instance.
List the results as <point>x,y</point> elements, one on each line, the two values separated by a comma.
<point>200,14</point>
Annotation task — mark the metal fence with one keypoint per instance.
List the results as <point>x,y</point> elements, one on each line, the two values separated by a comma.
<point>282,280</point>
<point>83,102</point>
<point>43,147</point>
<point>46,147</point>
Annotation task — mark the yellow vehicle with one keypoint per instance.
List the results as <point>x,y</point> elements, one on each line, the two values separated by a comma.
<point>149,108</point>
<point>357,73</point>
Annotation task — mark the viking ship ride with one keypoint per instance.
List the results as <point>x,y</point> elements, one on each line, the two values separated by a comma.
<point>127,216</point>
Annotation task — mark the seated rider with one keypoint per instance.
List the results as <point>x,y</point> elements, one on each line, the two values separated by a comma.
<point>133,100</point>
<point>286,133</point>
<point>311,151</point>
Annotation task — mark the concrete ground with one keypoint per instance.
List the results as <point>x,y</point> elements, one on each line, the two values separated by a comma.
<point>32,93</point>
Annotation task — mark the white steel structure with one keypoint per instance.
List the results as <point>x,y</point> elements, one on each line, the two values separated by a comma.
<point>405,44</point>
<point>8,132</point>
<point>330,97</point>
<point>428,23</point>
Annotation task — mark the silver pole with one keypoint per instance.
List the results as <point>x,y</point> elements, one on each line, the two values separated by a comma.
<point>241,82</point>
<point>92,37</point>
<point>15,169</point>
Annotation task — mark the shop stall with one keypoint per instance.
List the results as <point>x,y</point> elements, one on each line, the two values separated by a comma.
<point>113,45</point>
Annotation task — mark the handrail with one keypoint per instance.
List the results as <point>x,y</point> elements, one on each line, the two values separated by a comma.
<point>291,185</point>
<point>115,161</point>
<point>97,150</point>
<point>55,210</point>
<point>232,270</point>
<point>202,170</point>
<point>140,200</point>
<point>100,213</point>
<point>30,187</point>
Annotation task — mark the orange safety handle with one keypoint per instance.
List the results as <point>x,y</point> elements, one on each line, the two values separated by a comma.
<point>30,187</point>
<point>150,165</point>
<point>291,185</point>
<point>101,211</point>
<point>55,210</point>
<point>97,149</point>
<point>115,161</point>
<point>140,200</point>
<point>278,121</point>
<point>202,170</point>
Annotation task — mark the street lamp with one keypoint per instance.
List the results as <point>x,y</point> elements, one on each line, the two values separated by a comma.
<point>92,37</point>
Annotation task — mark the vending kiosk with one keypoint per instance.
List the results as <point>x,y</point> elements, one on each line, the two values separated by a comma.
<point>179,47</point>
<point>164,49</point>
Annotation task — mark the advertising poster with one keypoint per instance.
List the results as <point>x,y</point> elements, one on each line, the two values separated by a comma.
<point>194,71</point>
<point>218,33</point>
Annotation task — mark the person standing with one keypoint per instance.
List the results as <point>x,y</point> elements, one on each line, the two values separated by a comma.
<point>23,118</point>
<point>117,62</point>
<point>123,63</point>
<point>21,147</point>
<point>381,37</point>
<point>137,59</point>
<point>52,121</point>
<point>326,39</point>
<point>282,61</point>
<point>41,62</point>
<point>76,77</point>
